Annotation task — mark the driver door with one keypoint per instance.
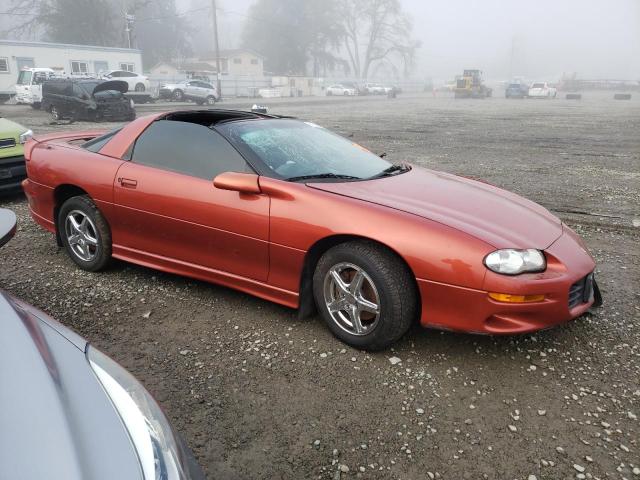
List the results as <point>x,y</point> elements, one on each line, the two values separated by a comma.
<point>169,210</point>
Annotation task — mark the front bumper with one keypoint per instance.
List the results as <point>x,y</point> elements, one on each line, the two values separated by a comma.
<point>457,308</point>
<point>12,172</point>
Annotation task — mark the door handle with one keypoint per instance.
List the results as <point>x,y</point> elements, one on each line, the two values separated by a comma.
<point>128,183</point>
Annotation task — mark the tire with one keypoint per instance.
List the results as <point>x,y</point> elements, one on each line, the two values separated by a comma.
<point>178,95</point>
<point>140,87</point>
<point>91,247</point>
<point>211,100</point>
<point>386,283</point>
<point>55,114</point>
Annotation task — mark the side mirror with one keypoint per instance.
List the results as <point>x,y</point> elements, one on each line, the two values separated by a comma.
<point>237,182</point>
<point>7,225</point>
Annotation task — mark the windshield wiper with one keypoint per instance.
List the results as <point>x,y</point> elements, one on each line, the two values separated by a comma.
<point>322,175</point>
<point>392,170</point>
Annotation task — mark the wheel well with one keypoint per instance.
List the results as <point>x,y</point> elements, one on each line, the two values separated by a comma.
<point>61,194</point>
<point>307,304</point>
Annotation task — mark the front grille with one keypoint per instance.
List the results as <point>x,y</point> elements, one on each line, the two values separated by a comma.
<point>7,143</point>
<point>12,170</point>
<point>581,291</point>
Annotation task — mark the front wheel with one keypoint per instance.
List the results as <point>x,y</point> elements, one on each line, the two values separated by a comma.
<point>55,114</point>
<point>211,100</point>
<point>178,95</point>
<point>366,294</point>
<point>85,233</point>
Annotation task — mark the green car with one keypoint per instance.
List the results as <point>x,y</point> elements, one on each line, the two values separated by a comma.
<point>13,136</point>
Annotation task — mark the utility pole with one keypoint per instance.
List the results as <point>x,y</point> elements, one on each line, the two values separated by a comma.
<point>129,20</point>
<point>216,47</point>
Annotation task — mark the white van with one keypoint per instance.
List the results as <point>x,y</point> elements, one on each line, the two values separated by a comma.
<point>29,85</point>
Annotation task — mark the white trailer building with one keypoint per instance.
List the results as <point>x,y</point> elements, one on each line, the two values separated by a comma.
<point>71,59</point>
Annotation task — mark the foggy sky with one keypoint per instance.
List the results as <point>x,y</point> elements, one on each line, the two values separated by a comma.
<point>595,39</point>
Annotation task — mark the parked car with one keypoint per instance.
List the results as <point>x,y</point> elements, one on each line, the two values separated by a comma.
<point>375,89</point>
<point>135,81</point>
<point>290,212</point>
<point>13,136</point>
<point>341,90</point>
<point>542,90</point>
<point>69,411</point>
<point>92,100</point>
<point>516,90</point>
<point>195,90</point>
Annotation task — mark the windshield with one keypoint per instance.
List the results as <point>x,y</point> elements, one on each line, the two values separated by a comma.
<point>292,149</point>
<point>24,78</point>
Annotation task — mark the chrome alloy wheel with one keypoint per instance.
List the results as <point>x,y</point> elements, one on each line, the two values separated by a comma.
<point>82,235</point>
<point>352,299</point>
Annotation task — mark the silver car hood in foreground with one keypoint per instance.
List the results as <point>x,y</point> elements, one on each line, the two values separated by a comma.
<point>56,421</point>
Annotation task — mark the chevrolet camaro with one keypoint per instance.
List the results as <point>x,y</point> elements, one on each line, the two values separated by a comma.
<point>290,212</point>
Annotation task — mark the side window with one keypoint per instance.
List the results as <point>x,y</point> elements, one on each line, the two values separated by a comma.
<point>187,148</point>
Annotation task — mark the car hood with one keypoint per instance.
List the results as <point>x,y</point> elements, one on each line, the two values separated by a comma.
<point>55,414</point>
<point>117,85</point>
<point>10,129</point>
<point>499,218</point>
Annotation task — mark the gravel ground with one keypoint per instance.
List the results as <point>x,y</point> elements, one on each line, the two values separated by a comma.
<point>261,395</point>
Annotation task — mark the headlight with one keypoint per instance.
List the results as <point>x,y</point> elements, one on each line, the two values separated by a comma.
<point>159,453</point>
<point>513,262</point>
<point>25,136</point>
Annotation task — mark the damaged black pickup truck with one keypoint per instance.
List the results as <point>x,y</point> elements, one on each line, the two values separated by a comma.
<point>87,99</point>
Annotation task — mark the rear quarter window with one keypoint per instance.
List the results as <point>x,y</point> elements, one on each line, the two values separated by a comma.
<point>96,144</point>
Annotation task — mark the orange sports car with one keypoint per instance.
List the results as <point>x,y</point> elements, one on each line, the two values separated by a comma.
<point>291,212</point>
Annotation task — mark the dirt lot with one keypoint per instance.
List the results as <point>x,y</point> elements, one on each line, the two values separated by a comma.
<point>260,395</point>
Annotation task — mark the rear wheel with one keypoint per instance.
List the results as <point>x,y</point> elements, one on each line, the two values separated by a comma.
<point>140,87</point>
<point>178,95</point>
<point>365,294</point>
<point>85,233</point>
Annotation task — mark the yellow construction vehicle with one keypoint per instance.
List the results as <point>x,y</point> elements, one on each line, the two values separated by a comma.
<point>471,85</point>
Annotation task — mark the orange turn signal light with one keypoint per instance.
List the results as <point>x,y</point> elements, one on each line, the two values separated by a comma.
<point>508,298</point>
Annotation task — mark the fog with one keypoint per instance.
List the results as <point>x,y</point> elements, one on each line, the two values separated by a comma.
<point>537,39</point>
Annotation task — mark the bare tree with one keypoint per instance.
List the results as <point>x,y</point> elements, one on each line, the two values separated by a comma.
<point>67,21</point>
<point>377,31</point>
